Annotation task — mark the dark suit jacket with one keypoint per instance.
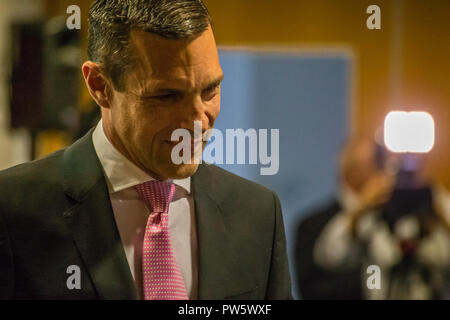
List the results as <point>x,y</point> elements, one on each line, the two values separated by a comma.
<point>314,281</point>
<point>56,212</point>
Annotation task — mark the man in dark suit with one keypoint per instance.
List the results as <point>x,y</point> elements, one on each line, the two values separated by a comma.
<point>316,282</point>
<point>362,186</point>
<point>72,225</point>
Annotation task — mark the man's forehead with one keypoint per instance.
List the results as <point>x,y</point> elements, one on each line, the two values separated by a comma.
<point>144,40</point>
<point>152,49</point>
<point>183,63</point>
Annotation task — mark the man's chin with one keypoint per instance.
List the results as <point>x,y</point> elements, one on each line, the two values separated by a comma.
<point>182,171</point>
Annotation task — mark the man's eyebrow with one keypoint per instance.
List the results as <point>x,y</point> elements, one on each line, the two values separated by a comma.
<point>162,89</point>
<point>167,91</point>
<point>216,82</point>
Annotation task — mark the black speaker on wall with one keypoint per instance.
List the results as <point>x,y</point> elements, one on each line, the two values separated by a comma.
<point>45,76</point>
<point>26,91</point>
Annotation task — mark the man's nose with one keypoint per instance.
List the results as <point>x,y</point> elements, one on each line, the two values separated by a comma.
<point>194,110</point>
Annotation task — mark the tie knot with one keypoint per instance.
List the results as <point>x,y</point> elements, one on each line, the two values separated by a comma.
<point>156,195</point>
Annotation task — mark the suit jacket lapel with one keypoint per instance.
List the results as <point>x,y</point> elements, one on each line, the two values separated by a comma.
<point>214,274</point>
<point>92,222</point>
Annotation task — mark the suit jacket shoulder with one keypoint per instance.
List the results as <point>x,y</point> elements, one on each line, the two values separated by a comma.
<point>38,246</point>
<point>34,181</point>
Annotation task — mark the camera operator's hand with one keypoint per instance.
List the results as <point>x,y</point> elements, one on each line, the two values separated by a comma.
<point>377,190</point>
<point>374,193</point>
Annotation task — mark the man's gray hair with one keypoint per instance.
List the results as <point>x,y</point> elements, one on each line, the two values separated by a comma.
<point>110,23</point>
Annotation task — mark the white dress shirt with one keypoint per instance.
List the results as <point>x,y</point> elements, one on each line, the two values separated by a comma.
<point>335,241</point>
<point>131,214</point>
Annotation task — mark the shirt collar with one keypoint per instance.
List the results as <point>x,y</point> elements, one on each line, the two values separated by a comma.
<point>121,173</point>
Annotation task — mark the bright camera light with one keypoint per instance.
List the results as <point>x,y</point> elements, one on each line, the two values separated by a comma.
<point>409,132</point>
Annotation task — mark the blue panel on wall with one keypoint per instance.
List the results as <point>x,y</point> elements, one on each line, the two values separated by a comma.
<point>307,98</point>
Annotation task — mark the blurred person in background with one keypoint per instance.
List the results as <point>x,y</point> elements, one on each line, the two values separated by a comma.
<point>396,223</point>
<point>325,272</point>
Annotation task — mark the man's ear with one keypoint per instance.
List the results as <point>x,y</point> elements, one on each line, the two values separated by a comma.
<point>96,84</point>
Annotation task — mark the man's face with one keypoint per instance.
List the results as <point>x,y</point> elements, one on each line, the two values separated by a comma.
<point>173,84</point>
<point>360,165</point>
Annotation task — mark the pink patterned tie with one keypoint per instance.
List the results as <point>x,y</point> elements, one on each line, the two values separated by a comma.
<point>161,275</point>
